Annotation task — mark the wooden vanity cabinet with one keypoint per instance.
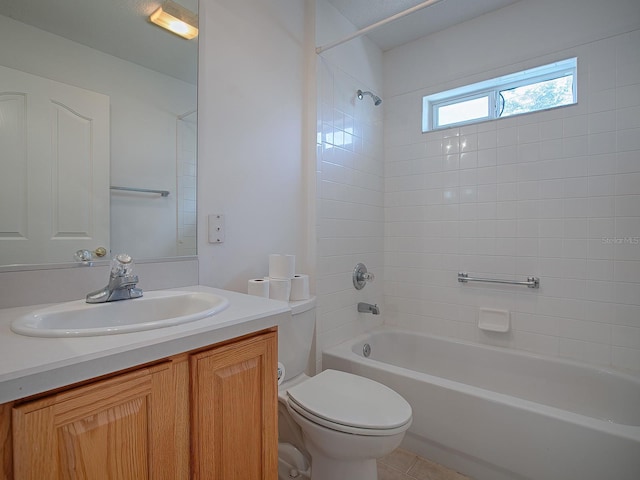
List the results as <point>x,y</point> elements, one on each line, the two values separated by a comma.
<point>116,428</point>
<point>207,414</point>
<point>234,411</point>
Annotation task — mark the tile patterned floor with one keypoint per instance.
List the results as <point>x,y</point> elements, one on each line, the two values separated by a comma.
<point>404,465</point>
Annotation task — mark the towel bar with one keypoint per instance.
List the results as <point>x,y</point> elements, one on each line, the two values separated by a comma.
<point>531,282</point>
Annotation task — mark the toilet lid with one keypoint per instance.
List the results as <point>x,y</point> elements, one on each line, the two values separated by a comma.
<point>346,399</point>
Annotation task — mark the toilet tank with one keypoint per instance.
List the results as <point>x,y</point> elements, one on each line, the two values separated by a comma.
<point>295,337</point>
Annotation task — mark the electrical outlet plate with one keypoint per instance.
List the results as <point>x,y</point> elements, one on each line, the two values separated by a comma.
<point>216,228</point>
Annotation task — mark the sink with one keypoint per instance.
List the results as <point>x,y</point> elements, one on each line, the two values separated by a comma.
<point>154,310</point>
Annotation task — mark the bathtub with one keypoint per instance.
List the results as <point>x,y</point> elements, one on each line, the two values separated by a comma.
<point>496,414</point>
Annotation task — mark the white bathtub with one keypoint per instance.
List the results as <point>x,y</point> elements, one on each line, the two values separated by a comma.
<point>497,414</point>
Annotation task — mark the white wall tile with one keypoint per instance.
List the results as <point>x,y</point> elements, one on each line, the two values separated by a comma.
<point>575,126</point>
<point>357,179</point>
<point>627,205</point>
<point>554,194</point>
<point>601,143</point>
<point>627,358</point>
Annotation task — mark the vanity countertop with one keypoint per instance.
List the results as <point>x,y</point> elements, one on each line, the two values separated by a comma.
<point>31,365</point>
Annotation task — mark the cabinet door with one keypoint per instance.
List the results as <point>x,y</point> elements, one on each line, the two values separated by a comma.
<point>116,429</point>
<point>234,411</point>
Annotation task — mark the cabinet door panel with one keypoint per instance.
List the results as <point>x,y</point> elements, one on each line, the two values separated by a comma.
<point>234,392</point>
<point>120,428</point>
<point>117,435</point>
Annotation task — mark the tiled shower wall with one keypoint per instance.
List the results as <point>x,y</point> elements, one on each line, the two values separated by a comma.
<point>350,181</point>
<point>554,194</point>
<point>350,205</point>
<point>186,167</point>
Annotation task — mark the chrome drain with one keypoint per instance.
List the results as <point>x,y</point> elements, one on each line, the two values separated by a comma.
<point>366,350</point>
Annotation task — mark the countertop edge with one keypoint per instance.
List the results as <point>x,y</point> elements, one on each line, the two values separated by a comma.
<point>255,314</point>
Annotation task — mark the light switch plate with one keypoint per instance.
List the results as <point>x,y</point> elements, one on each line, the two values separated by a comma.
<point>216,228</point>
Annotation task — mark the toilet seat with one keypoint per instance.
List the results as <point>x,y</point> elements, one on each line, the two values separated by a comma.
<point>350,403</point>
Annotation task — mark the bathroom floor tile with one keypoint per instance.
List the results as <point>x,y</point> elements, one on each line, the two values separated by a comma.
<point>386,472</point>
<point>427,470</point>
<point>404,465</point>
<point>400,459</point>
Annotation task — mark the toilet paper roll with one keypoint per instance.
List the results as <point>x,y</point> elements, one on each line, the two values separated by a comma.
<point>299,287</point>
<point>282,266</point>
<point>279,289</point>
<point>258,287</point>
<point>281,373</point>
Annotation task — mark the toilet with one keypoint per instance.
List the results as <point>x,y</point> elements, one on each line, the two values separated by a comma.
<point>334,425</point>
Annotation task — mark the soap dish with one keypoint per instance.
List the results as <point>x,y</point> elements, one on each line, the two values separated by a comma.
<point>494,320</point>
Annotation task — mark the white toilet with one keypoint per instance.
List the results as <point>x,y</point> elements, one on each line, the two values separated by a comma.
<point>334,425</point>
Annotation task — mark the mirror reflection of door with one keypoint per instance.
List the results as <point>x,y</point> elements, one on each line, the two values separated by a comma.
<point>54,152</point>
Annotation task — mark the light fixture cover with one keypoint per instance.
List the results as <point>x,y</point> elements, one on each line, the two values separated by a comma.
<point>176,19</point>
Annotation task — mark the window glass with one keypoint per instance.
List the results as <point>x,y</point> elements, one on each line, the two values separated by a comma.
<point>537,96</point>
<point>539,88</point>
<point>463,111</point>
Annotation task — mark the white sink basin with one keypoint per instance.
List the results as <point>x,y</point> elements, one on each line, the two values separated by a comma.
<point>154,310</point>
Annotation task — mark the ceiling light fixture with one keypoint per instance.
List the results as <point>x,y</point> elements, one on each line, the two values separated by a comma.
<point>176,19</point>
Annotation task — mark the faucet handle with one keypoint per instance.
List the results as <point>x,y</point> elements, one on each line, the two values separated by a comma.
<point>367,277</point>
<point>124,258</point>
<point>361,276</point>
<point>86,256</point>
<point>122,265</point>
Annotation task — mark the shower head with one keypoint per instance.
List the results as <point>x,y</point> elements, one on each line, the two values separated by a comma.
<point>376,99</point>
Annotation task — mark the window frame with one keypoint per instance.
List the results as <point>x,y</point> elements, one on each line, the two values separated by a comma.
<point>435,106</point>
<point>492,89</point>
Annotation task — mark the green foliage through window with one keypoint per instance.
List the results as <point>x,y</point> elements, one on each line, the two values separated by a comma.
<point>537,96</point>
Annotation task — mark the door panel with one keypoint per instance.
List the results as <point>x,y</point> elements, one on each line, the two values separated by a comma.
<point>54,139</point>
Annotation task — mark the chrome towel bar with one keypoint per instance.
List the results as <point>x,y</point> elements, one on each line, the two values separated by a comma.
<point>531,282</point>
<point>163,193</point>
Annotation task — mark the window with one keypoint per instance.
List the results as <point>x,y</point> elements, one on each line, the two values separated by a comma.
<point>539,88</point>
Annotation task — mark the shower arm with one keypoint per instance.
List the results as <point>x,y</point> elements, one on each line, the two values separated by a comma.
<point>376,99</point>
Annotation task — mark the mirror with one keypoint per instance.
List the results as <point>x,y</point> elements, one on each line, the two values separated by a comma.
<point>94,96</point>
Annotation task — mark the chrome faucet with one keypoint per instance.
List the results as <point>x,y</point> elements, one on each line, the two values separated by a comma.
<point>122,282</point>
<point>368,308</point>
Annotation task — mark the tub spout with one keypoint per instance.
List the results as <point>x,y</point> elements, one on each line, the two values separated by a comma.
<point>368,308</point>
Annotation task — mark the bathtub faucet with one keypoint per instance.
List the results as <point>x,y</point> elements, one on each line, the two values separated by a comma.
<point>368,308</point>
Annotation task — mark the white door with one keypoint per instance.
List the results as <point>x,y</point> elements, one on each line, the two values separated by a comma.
<point>54,173</point>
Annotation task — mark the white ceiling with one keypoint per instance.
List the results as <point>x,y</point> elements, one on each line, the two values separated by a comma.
<point>117,27</point>
<point>121,27</point>
<point>431,19</point>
